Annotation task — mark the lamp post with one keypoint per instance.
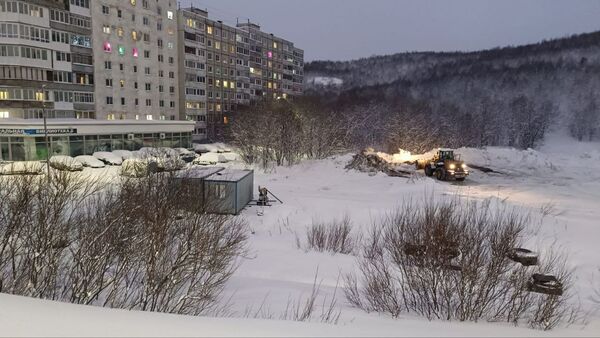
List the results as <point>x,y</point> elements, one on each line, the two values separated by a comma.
<point>43,99</point>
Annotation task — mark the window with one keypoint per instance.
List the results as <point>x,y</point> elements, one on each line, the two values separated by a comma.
<point>145,21</point>
<point>107,47</point>
<point>148,104</point>
<point>147,54</point>
<point>105,10</point>
<point>122,101</point>
<point>109,100</point>
<point>121,50</point>
<point>109,82</point>
<point>170,15</point>
<point>135,52</point>
<point>147,70</point>
<point>107,65</point>
<point>148,86</point>
<point>81,3</point>
<point>122,83</point>
<point>133,2</point>
<point>120,32</point>
<point>106,29</point>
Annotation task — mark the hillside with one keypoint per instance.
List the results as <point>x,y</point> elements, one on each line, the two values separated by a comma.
<point>559,77</point>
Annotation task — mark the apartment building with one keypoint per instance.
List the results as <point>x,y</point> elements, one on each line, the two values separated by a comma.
<point>148,73</point>
<point>46,59</point>
<point>135,53</point>
<point>223,67</point>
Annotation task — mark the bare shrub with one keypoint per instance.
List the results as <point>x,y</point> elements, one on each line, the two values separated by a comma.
<point>129,245</point>
<point>449,261</point>
<point>303,309</point>
<point>334,237</point>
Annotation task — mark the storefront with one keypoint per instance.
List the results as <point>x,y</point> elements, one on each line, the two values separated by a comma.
<point>24,140</point>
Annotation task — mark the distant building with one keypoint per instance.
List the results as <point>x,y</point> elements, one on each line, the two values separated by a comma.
<point>222,67</point>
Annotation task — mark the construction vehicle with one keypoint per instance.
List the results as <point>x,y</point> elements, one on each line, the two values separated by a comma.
<point>444,165</point>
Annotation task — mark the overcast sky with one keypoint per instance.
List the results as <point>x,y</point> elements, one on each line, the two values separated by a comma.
<point>350,29</point>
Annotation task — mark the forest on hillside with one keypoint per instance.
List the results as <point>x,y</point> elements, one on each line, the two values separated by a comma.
<point>507,96</point>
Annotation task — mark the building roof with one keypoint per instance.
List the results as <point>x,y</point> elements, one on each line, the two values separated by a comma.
<point>198,172</point>
<point>229,175</point>
<point>80,122</point>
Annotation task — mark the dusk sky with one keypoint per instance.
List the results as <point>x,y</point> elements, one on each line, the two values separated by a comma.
<point>350,29</point>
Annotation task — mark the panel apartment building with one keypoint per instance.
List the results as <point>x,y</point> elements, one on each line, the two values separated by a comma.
<point>223,67</point>
<point>123,74</point>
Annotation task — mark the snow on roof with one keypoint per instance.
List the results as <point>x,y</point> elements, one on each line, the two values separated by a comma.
<point>198,172</point>
<point>229,175</point>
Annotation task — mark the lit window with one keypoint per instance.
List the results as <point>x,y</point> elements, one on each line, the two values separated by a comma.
<point>275,45</point>
<point>135,52</point>
<point>122,83</point>
<point>170,15</point>
<point>134,35</point>
<point>148,117</point>
<point>209,29</point>
<point>121,50</point>
<point>225,120</point>
<point>4,95</point>
<point>270,54</point>
<point>225,84</point>
<point>106,29</point>
<point>4,114</point>
<point>107,47</point>
<point>39,96</point>
<point>133,2</point>
<point>120,32</point>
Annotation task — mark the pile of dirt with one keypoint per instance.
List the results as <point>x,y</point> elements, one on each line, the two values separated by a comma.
<point>369,161</point>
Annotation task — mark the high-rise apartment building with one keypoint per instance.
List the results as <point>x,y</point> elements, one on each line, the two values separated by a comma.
<point>223,67</point>
<point>125,74</point>
<point>46,59</point>
<point>135,53</point>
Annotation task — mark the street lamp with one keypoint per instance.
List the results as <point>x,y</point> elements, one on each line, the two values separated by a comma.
<point>43,99</point>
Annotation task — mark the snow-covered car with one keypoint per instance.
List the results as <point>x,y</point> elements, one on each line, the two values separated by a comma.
<point>23,168</point>
<point>186,155</point>
<point>65,163</point>
<point>90,161</point>
<point>108,158</point>
<point>124,154</point>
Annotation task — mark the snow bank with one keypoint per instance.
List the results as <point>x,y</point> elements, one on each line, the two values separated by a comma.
<point>23,168</point>
<point>24,316</point>
<point>90,161</point>
<point>108,158</point>
<point>67,163</point>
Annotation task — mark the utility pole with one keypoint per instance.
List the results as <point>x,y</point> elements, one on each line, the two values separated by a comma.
<point>43,97</point>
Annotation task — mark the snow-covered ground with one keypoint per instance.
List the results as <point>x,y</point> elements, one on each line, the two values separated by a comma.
<point>559,185</point>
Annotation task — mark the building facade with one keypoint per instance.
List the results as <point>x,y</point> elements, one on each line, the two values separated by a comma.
<point>128,61</point>
<point>223,67</point>
<point>46,59</point>
<point>135,52</point>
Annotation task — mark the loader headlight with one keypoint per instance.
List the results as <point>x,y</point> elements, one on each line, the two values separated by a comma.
<point>464,166</point>
<point>452,166</point>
